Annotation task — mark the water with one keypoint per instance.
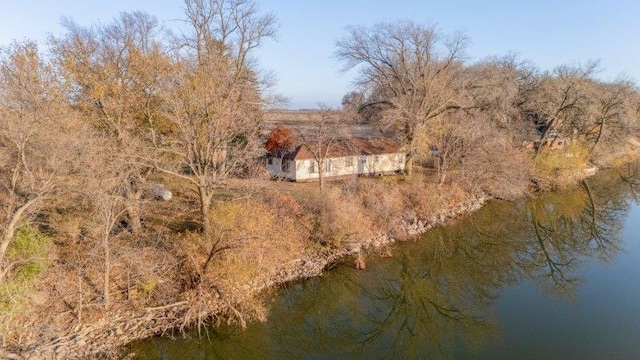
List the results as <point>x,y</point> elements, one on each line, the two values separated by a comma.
<point>554,277</point>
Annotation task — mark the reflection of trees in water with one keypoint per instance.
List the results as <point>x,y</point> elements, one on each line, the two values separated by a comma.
<point>571,228</point>
<point>438,295</point>
<point>415,311</point>
<point>630,176</point>
<point>602,221</point>
<point>444,294</point>
<point>554,254</point>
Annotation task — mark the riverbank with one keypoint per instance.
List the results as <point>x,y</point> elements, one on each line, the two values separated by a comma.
<point>115,329</point>
<point>84,330</point>
<point>562,252</point>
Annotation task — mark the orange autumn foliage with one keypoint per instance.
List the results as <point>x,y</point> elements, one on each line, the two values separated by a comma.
<point>281,139</point>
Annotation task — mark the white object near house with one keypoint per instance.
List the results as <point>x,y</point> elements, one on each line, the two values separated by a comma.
<point>356,156</point>
<point>160,192</point>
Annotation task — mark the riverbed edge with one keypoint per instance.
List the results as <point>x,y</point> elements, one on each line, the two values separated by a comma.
<point>109,336</point>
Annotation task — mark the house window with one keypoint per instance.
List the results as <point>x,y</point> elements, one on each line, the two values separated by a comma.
<point>363,159</point>
<point>376,158</point>
<point>270,161</point>
<point>399,158</point>
<point>312,167</point>
<point>348,161</point>
<point>327,165</point>
<point>284,166</point>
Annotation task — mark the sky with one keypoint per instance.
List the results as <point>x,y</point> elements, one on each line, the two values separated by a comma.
<point>548,33</point>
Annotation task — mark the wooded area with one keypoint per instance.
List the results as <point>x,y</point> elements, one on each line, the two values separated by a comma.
<point>105,112</point>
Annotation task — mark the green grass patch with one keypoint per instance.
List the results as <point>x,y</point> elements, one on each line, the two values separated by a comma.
<point>30,250</point>
<point>148,284</point>
<point>562,167</point>
<point>28,243</point>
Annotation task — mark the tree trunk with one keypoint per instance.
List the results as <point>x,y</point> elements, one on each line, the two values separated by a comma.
<point>442,169</point>
<point>133,214</point>
<point>321,174</point>
<point>133,209</point>
<point>79,307</point>
<point>207,230</point>
<point>7,237</point>
<point>597,141</point>
<point>205,204</point>
<point>408,163</point>
<point>107,269</point>
<point>408,159</point>
<point>214,250</point>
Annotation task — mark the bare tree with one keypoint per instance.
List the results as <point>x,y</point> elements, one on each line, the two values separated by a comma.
<point>502,93</point>
<point>411,69</point>
<point>234,27</point>
<point>104,180</point>
<point>485,158</point>
<point>352,104</point>
<point>114,70</point>
<point>611,112</point>
<point>213,100</point>
<point>37,144</point>
<point>560,102</point>
<point>455,139</point>
<point>321,138</point>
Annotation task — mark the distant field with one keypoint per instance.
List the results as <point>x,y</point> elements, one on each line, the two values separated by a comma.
<point>302,120</point>
<point>291,115</point>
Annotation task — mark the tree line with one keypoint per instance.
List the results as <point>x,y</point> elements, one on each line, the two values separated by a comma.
<point>86,122</point>
<point>415,81</point>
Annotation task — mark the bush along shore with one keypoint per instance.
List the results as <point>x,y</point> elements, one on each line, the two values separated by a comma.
<point>106,335</point>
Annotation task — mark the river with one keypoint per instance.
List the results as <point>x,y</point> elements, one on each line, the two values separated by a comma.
<point>556,276</point>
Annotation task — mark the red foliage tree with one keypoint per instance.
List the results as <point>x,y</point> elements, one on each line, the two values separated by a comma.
<point>281,139</point>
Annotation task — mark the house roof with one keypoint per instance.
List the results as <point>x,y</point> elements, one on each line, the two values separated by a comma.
<point>349,147</point>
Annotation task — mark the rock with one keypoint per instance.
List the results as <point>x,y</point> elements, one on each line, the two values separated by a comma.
<point>386,253</point>
<point>160,192</point>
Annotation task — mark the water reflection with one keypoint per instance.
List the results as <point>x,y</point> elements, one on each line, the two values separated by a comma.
<point>438,294</point>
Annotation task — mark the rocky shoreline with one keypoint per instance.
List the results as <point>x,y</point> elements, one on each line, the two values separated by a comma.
<point>108,335</point>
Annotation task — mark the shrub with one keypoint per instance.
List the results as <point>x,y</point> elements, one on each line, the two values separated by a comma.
<point>337,217</point>
<point>255,242</point>
<point>501,171</point>
<point>382,202</point>
<point>421,196</point>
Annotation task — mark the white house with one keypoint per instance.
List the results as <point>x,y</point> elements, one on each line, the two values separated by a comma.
<point>355,156</point>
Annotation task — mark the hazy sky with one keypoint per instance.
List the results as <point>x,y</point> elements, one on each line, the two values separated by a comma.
<point>549,33</point>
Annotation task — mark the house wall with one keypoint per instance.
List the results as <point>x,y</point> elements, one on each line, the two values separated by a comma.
<point>275,168</point>
<point>380,164</point>
<point>350,165</point>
